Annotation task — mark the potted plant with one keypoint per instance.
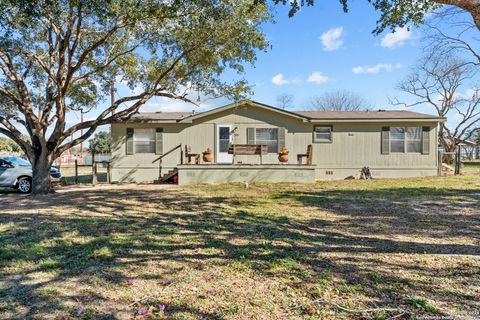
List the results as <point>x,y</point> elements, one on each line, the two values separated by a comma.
<point>283,154</point>
<point>208,155</point>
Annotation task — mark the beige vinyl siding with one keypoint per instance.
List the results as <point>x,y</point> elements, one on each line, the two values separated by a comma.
<point>353,146</point>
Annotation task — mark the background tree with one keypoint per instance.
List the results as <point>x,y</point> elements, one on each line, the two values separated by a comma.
<point>437,82</point>
<point>459,38</point>
<point>100,143</point>
<point>57,56</point>
<point>340,100</point>
<point>399,13</point>
<point>8,146</point>
<point>285,101</point>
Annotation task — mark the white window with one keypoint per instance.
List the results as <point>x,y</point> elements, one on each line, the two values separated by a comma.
<point>397,139</point>
<point>414,139</point>
<point>268,136</point>
<point>406,139</point>
<point>144,140</point>
<point>322,134</point>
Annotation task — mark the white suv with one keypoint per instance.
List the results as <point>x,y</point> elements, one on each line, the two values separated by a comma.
<point>16,172</point>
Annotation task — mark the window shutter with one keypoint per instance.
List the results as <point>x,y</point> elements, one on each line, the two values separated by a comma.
<point>425,140</point>
<point>281,138</point>
<point>129,142</point>
<point>385,140</point>
<point>159,141</point>
<point>250,135</point>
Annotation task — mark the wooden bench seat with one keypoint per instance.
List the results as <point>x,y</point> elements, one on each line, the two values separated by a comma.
<point>247,150</point>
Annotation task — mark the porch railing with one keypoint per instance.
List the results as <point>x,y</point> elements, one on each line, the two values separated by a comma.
<point>159,159</point>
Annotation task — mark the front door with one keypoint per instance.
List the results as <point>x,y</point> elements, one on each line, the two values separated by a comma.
<point>224,139</point>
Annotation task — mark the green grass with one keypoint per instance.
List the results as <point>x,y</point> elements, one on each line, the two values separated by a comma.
<point>471,167</point>
<point>276,251</point>
<point>422,304</point>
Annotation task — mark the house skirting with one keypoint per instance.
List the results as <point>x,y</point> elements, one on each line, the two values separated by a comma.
<point>218,173</point>
<point>333,173</point>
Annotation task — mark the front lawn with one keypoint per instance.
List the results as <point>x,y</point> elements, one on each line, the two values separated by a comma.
<point>406,248</point>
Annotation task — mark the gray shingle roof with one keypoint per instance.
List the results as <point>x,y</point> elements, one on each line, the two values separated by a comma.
<point>149,116</point>
<point>317,115</point>
<point>307,115</point>
<point>386,114</point>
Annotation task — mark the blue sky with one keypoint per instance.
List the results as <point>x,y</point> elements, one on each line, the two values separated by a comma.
<point>324,44</point>
<point>322,49</point>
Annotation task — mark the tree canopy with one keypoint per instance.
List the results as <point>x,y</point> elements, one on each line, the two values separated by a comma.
<point>8,146</point>
<point>100,143</point>
<point>397,13</point>
<point>58,56</point>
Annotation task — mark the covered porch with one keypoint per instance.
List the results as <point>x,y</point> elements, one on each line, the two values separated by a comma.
<point>193,170</point>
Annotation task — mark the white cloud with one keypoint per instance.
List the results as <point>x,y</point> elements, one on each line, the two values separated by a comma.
<point>396,39</point>
<point>318,77</point>
<point>331,39</point>
<point>279,80</point>
<point>296,80</point>
<point>376,68</point>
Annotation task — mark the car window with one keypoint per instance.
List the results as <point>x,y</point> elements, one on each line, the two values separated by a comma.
<point>3,162</point>
<point>18,161</point>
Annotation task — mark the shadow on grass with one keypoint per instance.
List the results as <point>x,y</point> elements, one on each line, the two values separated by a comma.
<point>419,211</point>
<point>118,228</point>
<point>8,190</point>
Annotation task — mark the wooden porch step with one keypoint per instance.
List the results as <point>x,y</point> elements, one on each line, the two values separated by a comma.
<point>170,174</point>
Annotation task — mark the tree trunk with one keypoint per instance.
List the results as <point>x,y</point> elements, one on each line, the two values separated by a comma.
<point>472,6</point>
<point>41,174</point>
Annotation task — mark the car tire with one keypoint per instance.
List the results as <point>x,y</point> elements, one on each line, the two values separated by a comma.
<point>24,185</point>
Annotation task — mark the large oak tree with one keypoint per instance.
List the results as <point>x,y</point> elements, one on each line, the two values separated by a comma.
<point>398,13</point>
<point>58,56</point>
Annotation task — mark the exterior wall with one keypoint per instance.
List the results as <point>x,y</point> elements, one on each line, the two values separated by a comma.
<point>354,145</point>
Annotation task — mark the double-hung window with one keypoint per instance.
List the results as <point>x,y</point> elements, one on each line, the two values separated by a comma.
<point>144,140</point>
<point>397,139</point>
<point>322,134</point>
<point>268,136</point>
<point>414,139</point>
<point>406,139</point>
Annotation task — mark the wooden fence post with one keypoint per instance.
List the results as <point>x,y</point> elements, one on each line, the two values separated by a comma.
<point>94,173</point>
<point>76,171</point>
<point>94,169</point>
<point>109,177</point>
<point>439,163</point>
<point>457,160</point>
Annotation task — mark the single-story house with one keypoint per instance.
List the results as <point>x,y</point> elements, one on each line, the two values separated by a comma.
<point>391,143</point>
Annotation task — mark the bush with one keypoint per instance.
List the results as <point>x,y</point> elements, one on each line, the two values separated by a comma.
<point>9,146</point>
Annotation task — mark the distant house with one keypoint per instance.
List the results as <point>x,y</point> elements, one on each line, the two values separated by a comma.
<point>391,143</point>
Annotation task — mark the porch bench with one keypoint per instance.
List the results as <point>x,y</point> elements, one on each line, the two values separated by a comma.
<point>247,150</point>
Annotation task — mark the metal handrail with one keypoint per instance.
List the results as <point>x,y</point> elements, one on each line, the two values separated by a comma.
<point>167,153</point>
